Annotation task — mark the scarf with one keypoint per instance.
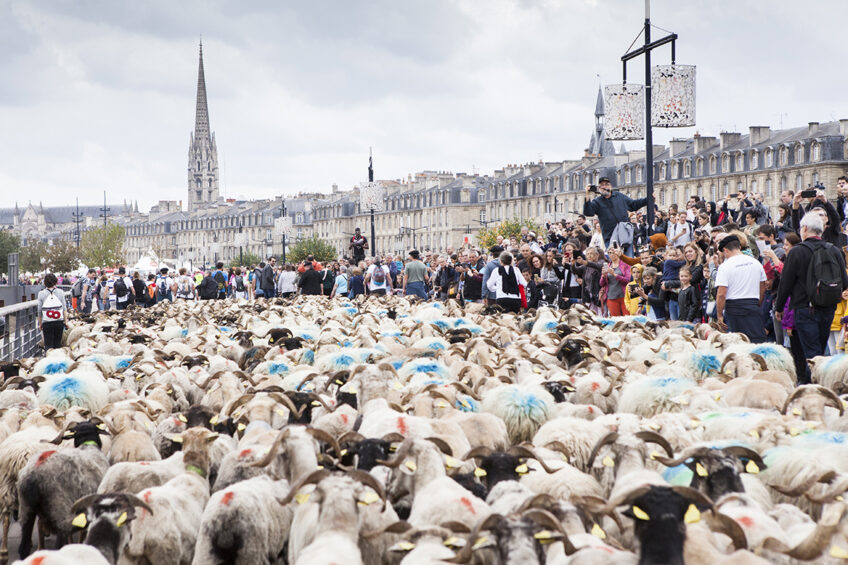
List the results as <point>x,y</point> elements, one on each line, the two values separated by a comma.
<point>509,284</point>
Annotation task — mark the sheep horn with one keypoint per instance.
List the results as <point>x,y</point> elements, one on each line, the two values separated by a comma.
<point>728,358</point>
<point>326,438</point>
<point>286,401</point>
<point>272,452</point>
<point>623,499</point>
<point>815,543</point>
<point>558,446</point>
<point>653,437</point>
<point>692,452</point>
<point>400,527</point>
<point>463,388</point>
<point>806,485</point>
<point>400,455</point>
<point>611,437</point>
<point>741,451</point>
<point>464,555</point>
<point>243,399</point>
<point>368,480</point>
<point>441,444</point>
<point>693,495</point>
<point>478,452</point>
<point>547,519</point>
<point>524,451</point>
<point>311,479</point>
<point>836,490</point>
<point>352,437</point>
<point>726,525</point>
<point>612,385</point>
<point>760,360</point>
<point>393,437</point>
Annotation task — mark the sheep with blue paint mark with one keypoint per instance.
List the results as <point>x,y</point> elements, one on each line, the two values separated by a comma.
<point>523,408</point>
<point>84,386</point>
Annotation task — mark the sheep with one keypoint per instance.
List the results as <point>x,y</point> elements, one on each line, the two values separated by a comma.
<point>522,408</point>
<point>53,480</point>
<point>83,386</point>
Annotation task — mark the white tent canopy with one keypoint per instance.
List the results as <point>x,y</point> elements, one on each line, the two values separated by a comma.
<point>149,263</point>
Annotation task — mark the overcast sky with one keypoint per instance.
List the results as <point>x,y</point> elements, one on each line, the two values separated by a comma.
<point>100,94</point>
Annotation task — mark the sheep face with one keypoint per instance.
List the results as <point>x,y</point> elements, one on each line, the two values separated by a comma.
<point>716,474</point>
<point>105,516</point>
<point>369,451</point>
<point>659,524</point>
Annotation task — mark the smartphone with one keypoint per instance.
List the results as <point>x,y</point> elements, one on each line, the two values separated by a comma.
<point>808,194</point>
<point>734,195</point>
<point>615,245</point>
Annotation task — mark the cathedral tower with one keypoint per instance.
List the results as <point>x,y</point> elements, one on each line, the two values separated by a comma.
<point>202,151</point>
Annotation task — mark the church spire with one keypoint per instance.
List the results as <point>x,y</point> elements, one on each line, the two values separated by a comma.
<point>201,118</point>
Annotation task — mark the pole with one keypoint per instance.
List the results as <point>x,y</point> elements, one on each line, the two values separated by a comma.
<point>371,179</point>
<point>283,212</point>
<point>649,132</point>
<point>77,220</point>
<point>241,260</point>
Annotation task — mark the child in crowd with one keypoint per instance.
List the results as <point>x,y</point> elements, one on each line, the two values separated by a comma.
<point>688,300</point>
<point>671,279</point>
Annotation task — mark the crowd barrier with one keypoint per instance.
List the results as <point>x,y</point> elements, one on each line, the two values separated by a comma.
<point>19,335</point>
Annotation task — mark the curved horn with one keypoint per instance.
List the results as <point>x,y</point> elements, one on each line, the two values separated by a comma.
<point>393,437</point>
<point>693,495</point>
<point>760,361</point>
<point>607,439</point>
<point>353,437</point>
<point>683,456</point>
<point>741,451</point>
<point>400,455</point>
<point>311,479</point>
<point>463,388</point>
<point>726,525</point>
<point>804,486</point>
<point>368,480</point>
<point>524,451</point>
<point>272,452</point>
<point>649,436</point>
<point>441,444</point>
<point>243,399</point>
<point>478,452</point>
<point>286,401</point>
<point>326,438</point>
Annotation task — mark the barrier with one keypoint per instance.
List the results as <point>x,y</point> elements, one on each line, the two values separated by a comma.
<point>19,335</point>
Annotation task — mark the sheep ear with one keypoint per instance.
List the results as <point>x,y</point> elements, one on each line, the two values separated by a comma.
<point>176,438</point>
<point>212,437</point>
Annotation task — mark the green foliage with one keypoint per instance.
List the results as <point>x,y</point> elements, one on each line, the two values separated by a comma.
<point>248,259</point>
<point>103,247</point>
<point>9,243</point>
<point>508,228</point>
<point>62,257</point>
<point>33,257</point>
<point>318,248</point>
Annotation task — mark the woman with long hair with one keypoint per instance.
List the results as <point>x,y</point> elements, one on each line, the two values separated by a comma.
<point>631,297</point>
<point>505,282</point>
<point>783,225</point>
<point>589,271</point>
<point>614,278</point>
<point>694,258</point>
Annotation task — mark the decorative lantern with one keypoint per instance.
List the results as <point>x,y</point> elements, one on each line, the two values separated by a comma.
<point>673,96</point>
<point>624,106</point>
<point>370,197</point>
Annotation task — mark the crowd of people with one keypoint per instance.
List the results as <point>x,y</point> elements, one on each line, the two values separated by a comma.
<point>777,279</point>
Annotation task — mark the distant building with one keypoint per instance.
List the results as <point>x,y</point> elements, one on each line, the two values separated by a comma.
<point>202,151</point>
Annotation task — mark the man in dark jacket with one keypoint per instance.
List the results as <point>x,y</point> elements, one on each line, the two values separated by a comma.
<point>832,225</point>
<point>266,278</point>
<point>812,323</point>
<point>310,281</point>
<point>610,207</point>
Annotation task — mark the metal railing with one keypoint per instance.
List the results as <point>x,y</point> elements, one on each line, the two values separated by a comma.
<point>19,335</point>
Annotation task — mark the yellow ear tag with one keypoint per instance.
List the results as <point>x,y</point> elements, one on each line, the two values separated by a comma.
<point>453,541</point>
<point>451,462</point>
<point>80,521</point>
<point>796,412</point>
<point>752,467</point>
<point>148,423</point>
<point>701,470</point>
<point>214,420</point>
<point>464,403</point>
<point>368,498</point>
<point>478,472</point>
<point>654,455</point>
<point>599,532</point>
<point>411,465</point>
<point>718,397</point>
<point>406,546</point>
<point>522,469</point>
<point>794,431</point>
<point>838,552</point>
<point>480,542</point>
<point>101,426</point>
<point>177,439</point>
<point>241,427</point>
<point>640,514</point>
<point>845,403</point>
<point>543,535</point>
<point>343,453</point>
<point>654,426</point>
<point>316,403</point>
<point>442,404</point>
<point>608,462</point>
<point>693,515</point>
<point>301,497</point>
<point>182,418</point>
<point>397,386</point>
<point>122,519</point>
<point>352,391</point>
<point>754,434</point>
<point>338,382</point>
<point>280,412</point>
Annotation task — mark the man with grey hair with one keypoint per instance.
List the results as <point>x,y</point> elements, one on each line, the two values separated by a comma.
<point>815,281</point>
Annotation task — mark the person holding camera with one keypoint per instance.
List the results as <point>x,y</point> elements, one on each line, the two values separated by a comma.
<point>830,217</point>
<point>358,245</point>
<point>611,209</point>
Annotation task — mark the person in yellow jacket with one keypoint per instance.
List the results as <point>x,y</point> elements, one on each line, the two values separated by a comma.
<point>836,341</point>
<point>631,299</point>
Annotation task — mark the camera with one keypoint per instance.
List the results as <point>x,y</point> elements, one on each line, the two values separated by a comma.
<point>634,292</point>
<point>593,188</point>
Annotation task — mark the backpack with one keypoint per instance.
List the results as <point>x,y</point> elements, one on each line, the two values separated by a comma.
<point>219,278</point>
<point>239,284</point>
<point>162,286</point>
<point>104,292</point>
<point>328,282</point>
<point>52,309</point>
<point>184,288</point>
<point>76,290</point>
<point>121,289</point>
<point>379,275</point>
<point>208,288</point>
<point>824,275</point>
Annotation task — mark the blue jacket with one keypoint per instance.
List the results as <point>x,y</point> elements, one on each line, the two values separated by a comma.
<point>612,210</point>
<point>487,272</point>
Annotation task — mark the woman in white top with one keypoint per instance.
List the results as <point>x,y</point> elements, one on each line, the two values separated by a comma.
<point>597,237</point>
<point>285,282</point>
<point>51,313</point>
<point>505,282</point>
<point>185,285</point>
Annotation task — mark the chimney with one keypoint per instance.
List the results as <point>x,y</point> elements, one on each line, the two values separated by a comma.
<point>181,205</point>
<point>843,128</point>
<point>704,143</point>
<point>677,146</point>
<point>335,188</point>
<point>658,149</point>
<point>729,138</point>
<point>813,128</point>
<point>758,134</point>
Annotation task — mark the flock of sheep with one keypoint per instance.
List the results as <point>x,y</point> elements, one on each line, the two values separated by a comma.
<point>313,431</point>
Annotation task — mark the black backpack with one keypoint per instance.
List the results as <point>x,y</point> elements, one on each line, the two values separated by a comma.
<point>208,288</point>
<point>219,278</point>
<point>121,289</point>
<point>76,290</point>
<point>824,275</point>
<point>379,275</point>
<point>239,284</point>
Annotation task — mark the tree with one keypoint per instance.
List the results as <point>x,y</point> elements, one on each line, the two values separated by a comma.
<point>103,247</point>
<point>62,257</point>
<point>33,257</point>
<point>508,228</point>
<point>9,243</point>
<point>318,248</point>
<point>247,259</point>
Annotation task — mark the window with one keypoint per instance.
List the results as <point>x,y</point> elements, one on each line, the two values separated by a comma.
<point>699,168</point>
<point>816,151</point>
<point>662,197</point>
<point>627,175</point>
<point>700,191</point>
<point>686,194</point>
<point>799,183</point>
<point>815,178</point>
<point>784,156</point>
<point>768,187</point>
<point>769,158</point>
<point>662,171</point>
<point>783,183</point>
<point>725,188</point>
<point>755,160</point>
<point>725,164</point>
<point>687,168</point>
<point>713,165</point>
<point>740,162</point>
<point>638,174</point>
<point>799,154</point>
<point>739,187</point>
<point>674,169</point>
<point>753,186</point>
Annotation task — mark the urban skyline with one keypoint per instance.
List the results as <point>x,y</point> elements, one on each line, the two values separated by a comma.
<point>538,100</point>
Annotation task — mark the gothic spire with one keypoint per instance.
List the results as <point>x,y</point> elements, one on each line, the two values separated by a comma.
<point>599,103</point>
<point>201,119</point>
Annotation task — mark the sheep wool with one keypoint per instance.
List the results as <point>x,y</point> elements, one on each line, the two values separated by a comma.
<point>522,408</point>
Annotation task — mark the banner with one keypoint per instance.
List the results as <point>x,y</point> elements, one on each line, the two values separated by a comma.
<point>370,197</point>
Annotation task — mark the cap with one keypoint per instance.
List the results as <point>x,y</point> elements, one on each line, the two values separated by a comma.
<point>604,179</point>
<point>727,241</point>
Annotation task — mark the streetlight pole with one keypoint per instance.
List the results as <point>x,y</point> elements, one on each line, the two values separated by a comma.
<point>370,180</point>
<point>241,223</point>
<point>105,210</point>
<point>77,220</point>
<point>649,137</point>
<point>283,215</point>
